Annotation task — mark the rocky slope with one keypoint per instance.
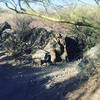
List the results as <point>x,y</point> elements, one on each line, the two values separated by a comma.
<point>76,80</point>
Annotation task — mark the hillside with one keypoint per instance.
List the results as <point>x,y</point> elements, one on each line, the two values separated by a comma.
<point>74,78</point>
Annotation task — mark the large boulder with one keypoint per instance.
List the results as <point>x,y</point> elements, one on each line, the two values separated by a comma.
<point>73,50</point>
<point>40,37</point>
<point>4,26</point>
<point>91,62</point>
<point>57,49</point>
<point>40,57</point>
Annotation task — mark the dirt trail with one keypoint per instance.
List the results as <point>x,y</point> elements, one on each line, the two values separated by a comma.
<point>38,83</point>
<point>56,82</point>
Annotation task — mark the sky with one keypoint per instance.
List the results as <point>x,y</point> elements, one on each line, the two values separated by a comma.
<point>62,3</point>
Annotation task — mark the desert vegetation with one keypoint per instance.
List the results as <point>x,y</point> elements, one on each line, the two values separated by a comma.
<point>58,49</point>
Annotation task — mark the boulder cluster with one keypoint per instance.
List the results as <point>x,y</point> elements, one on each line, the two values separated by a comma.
<point>42,46</point>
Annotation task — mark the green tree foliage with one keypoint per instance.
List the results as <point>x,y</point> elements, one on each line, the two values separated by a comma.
<point>25,7</point>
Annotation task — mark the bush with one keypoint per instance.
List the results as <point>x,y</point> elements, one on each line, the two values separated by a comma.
<point>13,40</point>
<point>22,27</point>
<point>24,39</point>
<point>90,36</point>
<point>88,15</point>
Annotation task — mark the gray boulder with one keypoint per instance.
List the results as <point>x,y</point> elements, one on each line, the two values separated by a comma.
<point>4,26</point>
<point>41,57</point>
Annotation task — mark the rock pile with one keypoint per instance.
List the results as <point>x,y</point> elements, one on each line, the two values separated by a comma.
<point>43,46</point>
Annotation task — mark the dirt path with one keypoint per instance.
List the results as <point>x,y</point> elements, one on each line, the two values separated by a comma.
<point>34,83</point>
<point>59,82</point>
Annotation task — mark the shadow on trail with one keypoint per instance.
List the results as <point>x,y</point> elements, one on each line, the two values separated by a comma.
<point>19,84</point>
<point>24,84</point>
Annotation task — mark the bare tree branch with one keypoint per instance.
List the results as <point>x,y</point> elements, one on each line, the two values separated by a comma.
<point>12,8</point>
<point>20,5</point>
<point>32,12</point>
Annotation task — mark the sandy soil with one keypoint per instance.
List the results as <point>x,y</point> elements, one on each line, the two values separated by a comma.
<point>57,82</point>
<point>88,91</point>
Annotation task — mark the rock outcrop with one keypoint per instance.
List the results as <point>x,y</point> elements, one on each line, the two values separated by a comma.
<point>4,26</point>
<point>41,57</point>
<point>57,50</point>
<point>44,46</point>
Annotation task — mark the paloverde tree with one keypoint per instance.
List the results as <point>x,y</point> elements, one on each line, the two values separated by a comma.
<point>97,2</point>
<point>26,7</point>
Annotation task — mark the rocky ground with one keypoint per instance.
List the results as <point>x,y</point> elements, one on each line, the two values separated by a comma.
<point>58,82</point>
<point>77,80</point>
<point>38,83</point>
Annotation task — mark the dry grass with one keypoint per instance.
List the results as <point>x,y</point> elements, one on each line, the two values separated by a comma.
<point>6,16</point>
<point>76,13</point>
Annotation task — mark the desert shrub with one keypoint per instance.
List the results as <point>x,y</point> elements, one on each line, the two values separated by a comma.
<point>11,43</point>
<point>24,39</point>
<point>13,40</point>
<point>90,36</point>
<point>88,15</point>
<point>22,27</point>
<point>33,36</point>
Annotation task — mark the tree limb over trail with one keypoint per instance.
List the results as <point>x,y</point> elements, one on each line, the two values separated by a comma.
<point>18,7</point>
